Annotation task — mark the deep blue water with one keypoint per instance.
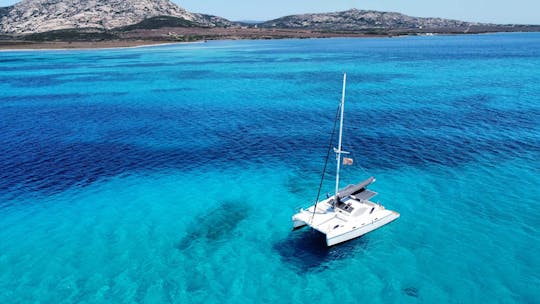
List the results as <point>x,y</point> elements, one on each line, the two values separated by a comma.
<point>170,173</point>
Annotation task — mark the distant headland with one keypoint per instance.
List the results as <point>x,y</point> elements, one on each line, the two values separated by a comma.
<point>118,23</point>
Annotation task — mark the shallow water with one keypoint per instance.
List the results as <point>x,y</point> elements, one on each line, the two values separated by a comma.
<point>169,174</point>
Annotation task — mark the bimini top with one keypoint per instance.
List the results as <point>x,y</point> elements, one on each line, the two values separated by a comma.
<point>358,191</point>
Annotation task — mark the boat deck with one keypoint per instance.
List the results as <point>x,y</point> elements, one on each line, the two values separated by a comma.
<point>350,210</point>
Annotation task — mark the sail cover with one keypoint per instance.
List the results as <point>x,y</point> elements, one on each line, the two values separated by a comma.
<point>355,189</point>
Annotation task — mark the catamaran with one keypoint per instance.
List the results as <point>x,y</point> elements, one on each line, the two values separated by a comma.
<point>349,213</point>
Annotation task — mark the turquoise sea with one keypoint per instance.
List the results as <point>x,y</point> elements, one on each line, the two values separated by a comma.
<point>170,174</point>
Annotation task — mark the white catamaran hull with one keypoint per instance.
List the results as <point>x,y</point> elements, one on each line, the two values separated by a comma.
<point>298,223</point>
<point>352,216</point>
<point>358,232</point>
<point>340,228</point>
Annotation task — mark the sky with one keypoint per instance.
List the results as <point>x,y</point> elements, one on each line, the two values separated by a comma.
<point>491,11</point>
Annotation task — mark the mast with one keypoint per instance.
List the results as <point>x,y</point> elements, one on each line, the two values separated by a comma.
<point>338,150</point>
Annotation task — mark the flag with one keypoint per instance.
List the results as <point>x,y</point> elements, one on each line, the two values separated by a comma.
<point>347,161</point>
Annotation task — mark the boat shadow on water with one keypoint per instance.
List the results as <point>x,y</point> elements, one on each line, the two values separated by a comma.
<point>305,250</point>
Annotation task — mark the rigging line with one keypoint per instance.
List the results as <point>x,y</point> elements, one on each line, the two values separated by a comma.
<point>326,161</point>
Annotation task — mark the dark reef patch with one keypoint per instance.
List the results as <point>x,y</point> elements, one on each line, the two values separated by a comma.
<point>42,98</point>
<point>111,56</point>
<point>216,224</point>
<point>332,78</point>
<point>193,74</point>
<point>411,291</point>
<point>57,79</point>
<point>138,65</point>
<point>173,90</point>
<point>51,65</point>
<point>37,154</point>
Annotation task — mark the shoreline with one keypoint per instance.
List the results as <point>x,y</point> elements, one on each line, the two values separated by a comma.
<point>105,45</point>
<point>90,48</point>
<point>86,45</point>
<point>29,46</point>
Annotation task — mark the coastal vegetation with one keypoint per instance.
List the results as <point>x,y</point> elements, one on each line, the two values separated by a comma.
<point>33,22</point>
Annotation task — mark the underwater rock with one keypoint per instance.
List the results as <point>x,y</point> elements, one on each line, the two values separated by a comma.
<point>216,224</point>
<point>411,291</point>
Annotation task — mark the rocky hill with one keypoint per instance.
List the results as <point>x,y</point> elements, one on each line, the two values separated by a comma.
<point>132,22</point>
<point>36,16</point>
<point>356,20</point>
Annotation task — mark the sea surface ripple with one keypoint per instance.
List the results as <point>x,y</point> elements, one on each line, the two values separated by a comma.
<point>169,174</point>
